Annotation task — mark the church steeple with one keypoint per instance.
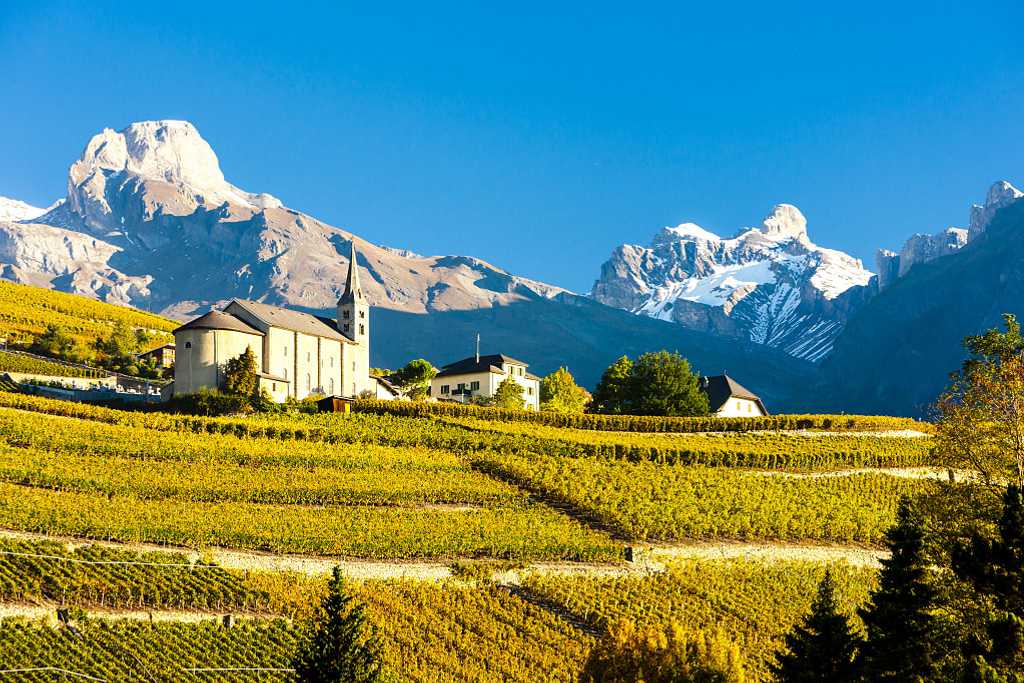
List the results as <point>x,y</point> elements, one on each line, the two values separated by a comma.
<point>353,311</point>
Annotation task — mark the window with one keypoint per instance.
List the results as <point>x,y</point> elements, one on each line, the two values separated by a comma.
<point>353,366</point>
<point>445,388</point>
<point>345,327</point>
<point>309,382</point>
<point>362,315</point>
<point>273,386</point>
<point>362,329</point>
<point>307,356</point>
<point>474,386</point>
<point>462,386</point>
<point>332,361</point>
<point>330,386</point>
<point>529,391</point>
<point>188,345</point>
<point>286,374</point>
<point>344,314</point>
<point>286,352</point>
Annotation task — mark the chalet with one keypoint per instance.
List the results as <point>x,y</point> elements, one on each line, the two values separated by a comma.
<point>729,398</point>
<point>297,354</point>
<point>163,354</point>
<point>480,376</point>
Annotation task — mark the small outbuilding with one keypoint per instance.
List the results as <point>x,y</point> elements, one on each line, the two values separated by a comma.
<point>729,398</point>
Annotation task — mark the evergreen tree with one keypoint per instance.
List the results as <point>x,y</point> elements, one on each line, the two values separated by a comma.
<point>240,375</point>
<point>822,647</point>
<point>339,645</point>
<point>560,394</point>
<point>900,627</point>
<point>54,341</point>
<point>509,395</point>
<point>995,569</point>
<point>612,393</point>
<point>662,384</point>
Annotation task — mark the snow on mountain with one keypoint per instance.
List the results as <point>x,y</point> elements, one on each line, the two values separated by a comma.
<point>769,284</point>
<point>150,220</point>
<point>15,210</point>
<point>922,247</point>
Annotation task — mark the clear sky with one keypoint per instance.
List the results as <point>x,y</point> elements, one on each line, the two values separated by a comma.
<point>540,138</point>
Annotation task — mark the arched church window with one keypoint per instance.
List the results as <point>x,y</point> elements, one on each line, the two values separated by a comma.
<point>188,345</point>
<point>330,386</point>
<point>309,382</point>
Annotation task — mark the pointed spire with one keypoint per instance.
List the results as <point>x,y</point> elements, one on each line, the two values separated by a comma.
<point>353,290</point>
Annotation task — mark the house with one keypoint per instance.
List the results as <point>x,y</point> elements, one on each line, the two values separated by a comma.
<point>164,355</point>
<point>297,354</point>
<point>383,389</point>
<point>479,377</point>
<point>729,398</point>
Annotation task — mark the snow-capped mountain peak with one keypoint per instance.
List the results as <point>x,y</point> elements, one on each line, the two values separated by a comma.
<point>769,284</point>
<point>16,210</point>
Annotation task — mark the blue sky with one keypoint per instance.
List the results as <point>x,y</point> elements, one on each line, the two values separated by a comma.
<point>540,138</point>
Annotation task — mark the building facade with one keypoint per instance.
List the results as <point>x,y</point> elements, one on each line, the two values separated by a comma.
<point>729,398</point>
<point>480,377</point>
<point>297,354</point>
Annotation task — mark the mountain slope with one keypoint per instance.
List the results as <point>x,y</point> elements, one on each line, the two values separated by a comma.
<point>895,354</point>
<point>149,220</point>
<point>770,284</point>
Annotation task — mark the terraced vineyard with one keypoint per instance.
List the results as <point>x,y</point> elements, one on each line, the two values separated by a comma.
<point>14,362</point>
<point>556,504</point>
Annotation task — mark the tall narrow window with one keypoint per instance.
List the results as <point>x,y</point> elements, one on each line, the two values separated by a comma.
<point>309,382</point>
<point>362,329</point>
<point>330,386</point>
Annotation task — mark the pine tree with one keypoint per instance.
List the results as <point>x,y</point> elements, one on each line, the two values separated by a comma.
<point>240,375</point>
<point>612,392</point>
<point>822,647</point>
<point>995,569</point>
<point>339,645</point>
<point>900,627</point>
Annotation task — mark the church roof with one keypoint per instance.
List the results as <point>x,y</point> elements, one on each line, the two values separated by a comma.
<point>353,290</point>
<point>471,365</point>
<point>720,388</point>
<point>219,320</point>
<point>289,319</point>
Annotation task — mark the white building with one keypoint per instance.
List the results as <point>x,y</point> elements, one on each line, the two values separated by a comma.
<point>480,376</point>
<point>297,354</point>
<point>728,398</point>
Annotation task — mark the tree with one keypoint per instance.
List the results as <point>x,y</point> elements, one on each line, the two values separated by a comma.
<point>240,375</point>
<point>414,378</point>
<point>822,647</point>
<point>629,653</point>
<point>55,342</point>
<point>509,395</point>
<point>900,626</point>
<point>560,394</point>
<point>994,567</point>
<point>612,393</point>
<point>123,342</point>
<point>339,644</point>
<point>662,384</point>
<point>981,424</point>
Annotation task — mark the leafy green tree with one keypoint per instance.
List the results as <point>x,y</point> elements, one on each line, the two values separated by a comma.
<point>123,343</point>
<point>240,375</point>
<point>652,654</point>
<point>560,394</point>
<point>54,342</point>
<point>612,392</point>
<point>822,647</point>
<point>994,567</point>
<point>339,644</point>
<point>901,629</point>
<point>414,378</point>
<point>662,384</point>
<point>509,395</point>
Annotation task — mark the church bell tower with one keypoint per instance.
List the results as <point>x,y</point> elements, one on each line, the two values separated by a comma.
<point>354,323</point>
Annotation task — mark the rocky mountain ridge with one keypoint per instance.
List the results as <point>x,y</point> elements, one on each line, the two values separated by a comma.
<point>769,284</point>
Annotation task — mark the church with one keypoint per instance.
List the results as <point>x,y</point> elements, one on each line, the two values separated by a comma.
<point>297,354</point>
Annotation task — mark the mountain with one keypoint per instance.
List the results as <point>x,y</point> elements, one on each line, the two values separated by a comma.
<point>769,284</point>
<point>150,220</point>
<point>897,351</point>
<point>14,210</point>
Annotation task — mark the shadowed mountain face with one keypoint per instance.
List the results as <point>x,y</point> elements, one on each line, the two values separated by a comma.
<point>896,353</point>
<point>586,337</point>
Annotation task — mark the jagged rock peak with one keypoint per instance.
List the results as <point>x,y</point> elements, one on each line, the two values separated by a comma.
<point>785,221</point>
<point>1000,195</point>
<point>17,210</point>
<point>172,152</point>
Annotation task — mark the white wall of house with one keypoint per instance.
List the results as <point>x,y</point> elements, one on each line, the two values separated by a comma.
<point>739,407</point>
<point>202,354</point>
<point>486,384</point>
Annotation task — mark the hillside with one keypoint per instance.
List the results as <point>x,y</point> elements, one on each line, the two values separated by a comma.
<point>896,353</point>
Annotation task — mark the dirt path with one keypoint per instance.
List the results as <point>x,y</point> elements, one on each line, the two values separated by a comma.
<point>48,613</point>
<point>763,551</point>
<point>902,472</point>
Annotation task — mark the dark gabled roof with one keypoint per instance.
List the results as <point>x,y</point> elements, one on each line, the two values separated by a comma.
<point>296,321</point>
<point>720,388</point>
<point>219,320</point>
<point>471,365</point>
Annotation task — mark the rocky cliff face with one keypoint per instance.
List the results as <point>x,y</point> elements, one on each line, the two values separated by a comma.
<point>922,248</point>
<point>150,220</point>
<point>770,284</point>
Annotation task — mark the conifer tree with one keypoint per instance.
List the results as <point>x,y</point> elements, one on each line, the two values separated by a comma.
<point>995,569</point>
<point>240,375</point>
<point>339,646</point>
<point>822,647</point>
<point>900,626</point>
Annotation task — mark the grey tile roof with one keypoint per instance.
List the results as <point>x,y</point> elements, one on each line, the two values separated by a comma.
<point>490,363</point>
<point>219,320</point>
<point>720,388</point>
<point>296,321</point>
